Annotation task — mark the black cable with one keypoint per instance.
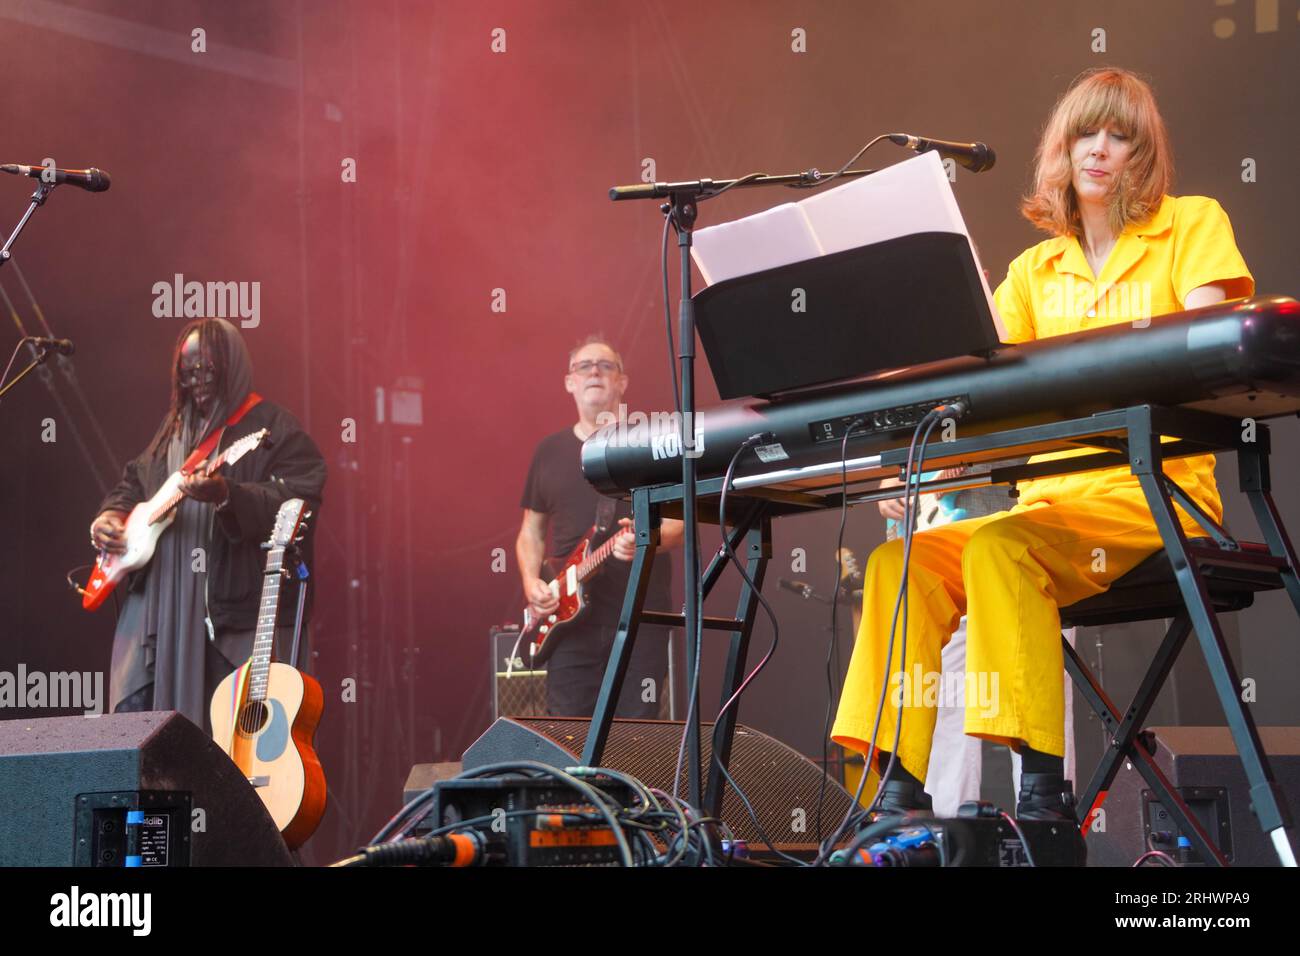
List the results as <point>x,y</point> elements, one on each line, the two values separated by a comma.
<point>753,815</point>
<point>835,628</point>
<point>911,514</point>
<point>81,592</point>
<point>812,179</point>
<point>411,806</point>
<point>744,573</point>
<point>705,849</point>
<point>672,821</point>
<point>776,632</point>
<point>911,507</point>
<point>530,768</point>
<point>694,691</point>
<point>909,528</point>
<point>909,821</point>
<point>593,796</point>
<point>1160,856</point>
<point>364,859</point>
<point>1024,841</point>
<point>731,554</point>
<point>685,827</point>
<point>855,814</point>
<point>747,178</point>
<point>878,828</point>
<point>824,180</point>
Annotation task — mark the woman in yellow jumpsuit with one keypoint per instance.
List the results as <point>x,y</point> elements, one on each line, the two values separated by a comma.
<point>1122,251</point>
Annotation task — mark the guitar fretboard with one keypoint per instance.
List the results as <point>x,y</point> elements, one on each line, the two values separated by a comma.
<point>259,665</point>
<point>597,558</point>
<point>232,454</point>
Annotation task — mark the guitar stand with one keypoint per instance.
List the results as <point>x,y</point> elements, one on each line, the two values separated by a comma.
<point>1123,437</point>
<point>294,555</point>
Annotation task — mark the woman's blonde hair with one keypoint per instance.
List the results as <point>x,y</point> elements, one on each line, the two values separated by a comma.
<point>1097,97</point>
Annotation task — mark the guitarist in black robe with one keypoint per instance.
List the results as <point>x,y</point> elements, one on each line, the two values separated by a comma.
<point>558,499</point>
<point>187,618</point>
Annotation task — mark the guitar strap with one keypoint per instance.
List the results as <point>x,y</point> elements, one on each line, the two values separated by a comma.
<point>605,513</point>
<point>209,443</point>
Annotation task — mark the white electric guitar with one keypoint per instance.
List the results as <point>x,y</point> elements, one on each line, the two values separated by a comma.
<point>146,523</point>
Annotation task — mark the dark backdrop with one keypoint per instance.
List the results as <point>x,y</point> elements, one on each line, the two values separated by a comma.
<point>479,171</point>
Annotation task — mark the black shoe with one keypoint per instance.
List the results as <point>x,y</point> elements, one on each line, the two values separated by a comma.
<point>903,796</point>
<point>1046,796</point>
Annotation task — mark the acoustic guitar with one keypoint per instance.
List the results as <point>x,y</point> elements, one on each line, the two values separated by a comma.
<point>265,714</point>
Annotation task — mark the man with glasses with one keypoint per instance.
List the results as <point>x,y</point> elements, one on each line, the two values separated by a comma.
<point>187,618</point>
<point>558,500</point>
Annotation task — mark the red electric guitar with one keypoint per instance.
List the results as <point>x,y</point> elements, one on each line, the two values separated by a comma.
<point>568,585</point>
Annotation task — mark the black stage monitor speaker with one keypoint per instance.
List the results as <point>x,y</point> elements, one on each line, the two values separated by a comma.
<point>148,789</point>
<point>781,783</point>
<point>1202,764</point>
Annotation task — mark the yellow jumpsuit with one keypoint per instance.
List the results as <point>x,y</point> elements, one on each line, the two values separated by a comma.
<point>1067,538</point>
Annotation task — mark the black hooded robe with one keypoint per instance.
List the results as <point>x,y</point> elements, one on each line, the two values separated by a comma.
<point>162,636</point>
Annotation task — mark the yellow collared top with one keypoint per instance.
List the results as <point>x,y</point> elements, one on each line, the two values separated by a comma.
<point>1050,290</point>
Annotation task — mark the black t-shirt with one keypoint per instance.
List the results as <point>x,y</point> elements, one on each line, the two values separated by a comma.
<point>556,488</point>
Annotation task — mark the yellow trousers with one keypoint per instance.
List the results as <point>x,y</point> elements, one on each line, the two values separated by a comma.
<point>1008,573</point>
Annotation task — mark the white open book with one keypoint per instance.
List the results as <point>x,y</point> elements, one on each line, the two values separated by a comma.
<point>910,197</point>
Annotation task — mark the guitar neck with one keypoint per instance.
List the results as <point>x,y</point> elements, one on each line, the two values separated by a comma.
<point>259,664</point>
<point>594,560</point>
<point>172,500</point>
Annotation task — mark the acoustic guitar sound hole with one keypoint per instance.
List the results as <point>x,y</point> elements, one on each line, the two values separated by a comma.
<point>253,717</point>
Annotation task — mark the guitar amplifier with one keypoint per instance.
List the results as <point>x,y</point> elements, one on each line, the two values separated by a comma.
<point>517,691</point>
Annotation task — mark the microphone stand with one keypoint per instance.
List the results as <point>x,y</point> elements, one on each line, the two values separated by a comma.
<point>41,194</point>
<point>683,198</point>
<point>41,355</point>
<point>69,371</point>
<point>38,199</point>
<point>65,366</point>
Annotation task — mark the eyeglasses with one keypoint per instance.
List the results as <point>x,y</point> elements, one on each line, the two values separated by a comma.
<point>190,376</point>
<point>588,366</point>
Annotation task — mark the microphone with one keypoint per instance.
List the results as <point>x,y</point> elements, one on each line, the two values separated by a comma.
<point>92,180</point>
<point>62,346</point>
<point>976,157</point>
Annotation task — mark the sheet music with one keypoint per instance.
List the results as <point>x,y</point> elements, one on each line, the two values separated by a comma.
<point>765,240</point>
<point>906,198</point>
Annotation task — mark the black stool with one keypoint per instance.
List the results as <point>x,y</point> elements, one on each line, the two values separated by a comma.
<point>1150,592</point>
